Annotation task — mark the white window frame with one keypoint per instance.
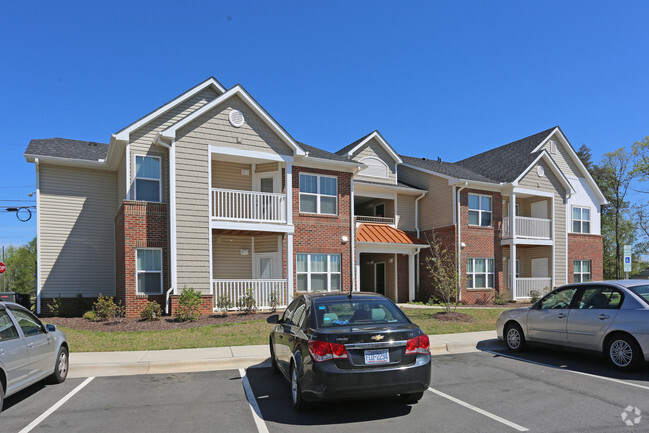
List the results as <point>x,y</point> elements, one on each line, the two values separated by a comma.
<point>328,272</point>
<point>318,195</point>
<point>582,274</point>
<point>138,272</point>
<point>473,273</point>
<point>581,220</point>
<point>136,177</point>
<point>480,211</point>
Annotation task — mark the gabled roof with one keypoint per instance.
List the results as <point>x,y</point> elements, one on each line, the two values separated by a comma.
<point>67,149</point>
<point>356,145</point>
<point>315,152</point>
<point>449,170</point>
<point>383,233</point>
<point>212,82</point>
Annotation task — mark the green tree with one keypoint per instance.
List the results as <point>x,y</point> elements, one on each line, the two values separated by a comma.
<point>21,267</point>
<point>586,156</point>
<point>442,267</point>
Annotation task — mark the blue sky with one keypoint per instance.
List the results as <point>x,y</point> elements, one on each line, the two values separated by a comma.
<point>446,79</point>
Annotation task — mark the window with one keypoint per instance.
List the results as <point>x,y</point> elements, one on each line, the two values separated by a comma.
<point>582,271</point>
<point>7,329</point>
<point>480,210</point>
<point>599,298</point>
<point>318,194</point>
<point>29,324</point>
<point>149,271</point>
<point>359,312</point>
<point>560,299</point>
<point>147,178</point>
<point>480,273</point>
<point>318,272</point>
<point>580,220</point>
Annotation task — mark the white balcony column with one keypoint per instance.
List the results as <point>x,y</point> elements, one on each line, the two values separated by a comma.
<point>512,267</point>
<point>358,272</point>
<point>411,277</point>
<point>289,267</point>
<point>289,193</point>
<point>512,215</point>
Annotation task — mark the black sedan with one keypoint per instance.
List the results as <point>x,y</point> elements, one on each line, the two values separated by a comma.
<point>333,346</point>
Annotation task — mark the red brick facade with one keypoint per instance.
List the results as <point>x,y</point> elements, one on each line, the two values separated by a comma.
<point>206,307</point>
<point>586,247</point>
<point>139,225</point>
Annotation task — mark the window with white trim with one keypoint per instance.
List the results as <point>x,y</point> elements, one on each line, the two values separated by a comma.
<point>318,272</point>
<point>318,194</point>
<point>480,273</point>
<point>149,271</point>
<point>480,210</point>
<point>147,178</point>
<point>581,271</point>
<point>580,219</point>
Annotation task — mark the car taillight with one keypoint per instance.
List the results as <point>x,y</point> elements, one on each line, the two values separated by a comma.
<point>419,344</point>
<point>322,351</point>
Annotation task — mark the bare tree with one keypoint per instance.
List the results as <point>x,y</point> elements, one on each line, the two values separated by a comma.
<point>442,266</point>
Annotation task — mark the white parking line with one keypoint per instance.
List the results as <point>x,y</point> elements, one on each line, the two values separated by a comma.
<point>480,411</point>
<point>610,379</point>
<point>57,405</point>
<point>252,401</point>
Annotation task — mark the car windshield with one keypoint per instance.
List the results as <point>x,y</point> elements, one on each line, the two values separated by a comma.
<point>642,291</point>
<point>357,312</point>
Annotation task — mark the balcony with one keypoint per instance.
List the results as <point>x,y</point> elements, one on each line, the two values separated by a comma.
<point>530,228</point>
<point>262,290</point>
<point>376,220</point>
<point>248,206</point>
<point>524,286</point>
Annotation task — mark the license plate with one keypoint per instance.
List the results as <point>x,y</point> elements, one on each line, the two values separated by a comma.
<point>379,356</point>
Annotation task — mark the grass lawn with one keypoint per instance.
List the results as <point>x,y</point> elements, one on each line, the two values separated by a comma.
<point>247,333</point>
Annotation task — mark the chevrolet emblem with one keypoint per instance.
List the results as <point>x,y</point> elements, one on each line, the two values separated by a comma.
<point>377,337</point>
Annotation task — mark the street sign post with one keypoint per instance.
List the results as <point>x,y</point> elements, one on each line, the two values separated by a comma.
<point>627,260</point>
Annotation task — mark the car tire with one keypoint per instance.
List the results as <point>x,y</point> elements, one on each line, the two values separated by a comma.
<point>624,353</point>
<point>2,396</point>
<point>514,337</point>
<point>296,391</point>
<point>61,366</point>
<point>411,398</point>
<point>273,361</point>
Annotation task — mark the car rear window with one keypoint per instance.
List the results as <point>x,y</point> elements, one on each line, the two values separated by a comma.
<point>357,312</point>
<point>642,291</point>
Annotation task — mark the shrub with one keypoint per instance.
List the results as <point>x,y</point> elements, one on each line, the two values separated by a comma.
<point>499,299</point>
<point>189,304</point>
<point>274,300</point>
<point>105,308</point>
<point>534,295</point>
<point>56,307</point>
<point>90,315</point>
<point>152,311</point>
<point>81,303</point>
<point>247,302</point>
<point>223,303</point>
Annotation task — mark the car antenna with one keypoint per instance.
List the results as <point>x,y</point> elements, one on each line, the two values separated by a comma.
<point>350,292</point>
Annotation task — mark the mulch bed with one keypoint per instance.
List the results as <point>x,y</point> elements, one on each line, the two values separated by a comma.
<point>165,323</point>
<point>453,316</point>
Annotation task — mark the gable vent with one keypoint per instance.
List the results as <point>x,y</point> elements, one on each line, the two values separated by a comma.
<point>236,118</point>
<point>553,147</point>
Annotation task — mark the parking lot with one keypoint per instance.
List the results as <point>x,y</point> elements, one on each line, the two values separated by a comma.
<point>488,391</point>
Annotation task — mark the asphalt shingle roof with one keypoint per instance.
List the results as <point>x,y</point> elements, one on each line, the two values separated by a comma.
<point>323,154</point>
<point>349,147</point>
<point>69,149</point>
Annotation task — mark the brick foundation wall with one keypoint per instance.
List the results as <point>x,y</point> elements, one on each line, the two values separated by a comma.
<point>139,225</point>
<point>205,308</point>
<point>70,307</point>
<point>586,247</point>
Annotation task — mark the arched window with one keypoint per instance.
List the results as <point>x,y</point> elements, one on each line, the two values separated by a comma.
<point>375,167</point>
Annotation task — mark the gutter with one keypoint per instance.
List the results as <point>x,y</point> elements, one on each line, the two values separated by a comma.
<point>38,237</point>
<point>417,283</point>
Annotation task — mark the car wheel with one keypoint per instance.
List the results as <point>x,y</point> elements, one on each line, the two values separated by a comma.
<point>296,391</point>
<point>514,337</point>
<point>2,396</point>
<point>411,398</point>
<point>624,353</point>
<point>273,361</point>
<point>61,366</point>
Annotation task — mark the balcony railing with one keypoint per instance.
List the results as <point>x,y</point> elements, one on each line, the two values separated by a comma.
<point>524,286</point>
<point>249,206</point>
<point>526,227</point>
<point>262,290</point>
<point>376,220</point>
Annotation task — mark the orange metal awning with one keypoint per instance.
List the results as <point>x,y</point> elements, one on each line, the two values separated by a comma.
<point>382,233</point>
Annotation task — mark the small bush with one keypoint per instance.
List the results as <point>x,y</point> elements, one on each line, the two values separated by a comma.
<point>90,315</point>
<point>534,295</point>
<point>152,311</point>
<point>274,300</point>
<point>105,308</point>
<point>499,299</point>
<point>56,307</point>
<point>224,303</point>
<point>247,302</point>
<point>189,304</point>
<point>81,303</point>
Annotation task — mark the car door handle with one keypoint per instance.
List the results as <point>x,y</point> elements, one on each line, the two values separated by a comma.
<point>560,316</point>
<point>603,316</point>
<point>30,345</point>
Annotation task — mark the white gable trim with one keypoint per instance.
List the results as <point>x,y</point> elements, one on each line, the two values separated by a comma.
<point>249,154</point>
<point>555,169</point>
<point>124,134</point>
<point>376,135</point>
<point>170,133</point>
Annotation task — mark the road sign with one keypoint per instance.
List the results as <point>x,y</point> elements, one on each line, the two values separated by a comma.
<point>627,258</point>
<point>2,267</point>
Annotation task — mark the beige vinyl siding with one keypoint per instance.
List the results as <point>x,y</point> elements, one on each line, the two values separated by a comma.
<point>121,182</point>
<point>77,229</point>
<point>265,168</point>
<point>229,263</point>
<point>406,212</point>
<point>562,159</point>
<point>436,208</point>
<point>549,183</point>
<point>374,149</point>
<point>214,128</point>
<point>228,175</point>
<point>266,244</point>
<point>141,140</point>
<point>527,254</point>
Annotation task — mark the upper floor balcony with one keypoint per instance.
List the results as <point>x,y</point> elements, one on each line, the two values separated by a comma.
<point>376,220</point>
<point>528,227</point>
<point>248,206</point>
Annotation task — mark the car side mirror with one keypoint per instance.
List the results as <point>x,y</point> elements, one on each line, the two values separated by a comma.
<point>50,328</point>
<point>273,319</point>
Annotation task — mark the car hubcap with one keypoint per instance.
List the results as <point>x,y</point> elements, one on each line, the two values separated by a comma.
<point>513,338</point>
<point>63,365</point>
<point>294,386</point>
<point>621,353</point>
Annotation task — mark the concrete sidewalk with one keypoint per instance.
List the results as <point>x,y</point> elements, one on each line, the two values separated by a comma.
<point>84,364</point>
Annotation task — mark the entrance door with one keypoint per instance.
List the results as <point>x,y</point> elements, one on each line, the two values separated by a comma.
<point>265,268</point>
<point>540,268</point>
<point>379,278</point>
<point>539,209</point>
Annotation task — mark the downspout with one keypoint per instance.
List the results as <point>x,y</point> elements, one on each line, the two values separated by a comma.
<point>459,242</point>
<point>353,231</point>
<point>38,237</point>
<point>417,282</point>
<point>172,220</point>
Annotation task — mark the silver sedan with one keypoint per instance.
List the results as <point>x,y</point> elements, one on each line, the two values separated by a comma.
<point>610,317</point>
<point>29,350</point>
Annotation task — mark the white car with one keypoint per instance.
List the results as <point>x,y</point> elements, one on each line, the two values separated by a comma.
<point>609,317</point>
<point>29,350</point>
